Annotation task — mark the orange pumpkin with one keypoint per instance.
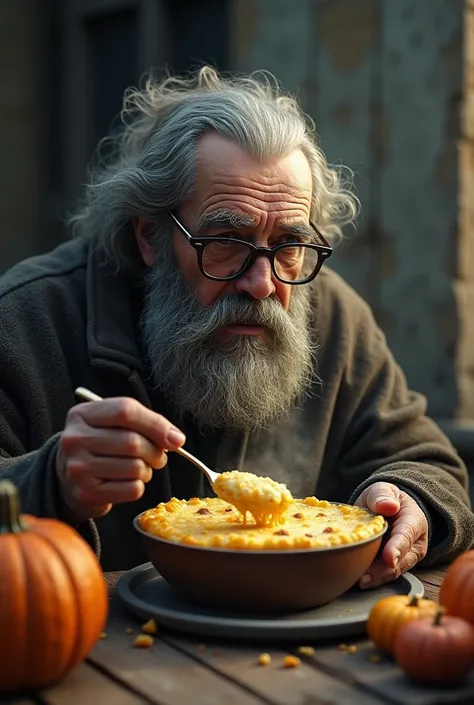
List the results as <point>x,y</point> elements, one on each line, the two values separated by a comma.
<point>457,589</point>
<point>53,597</point>
<point>436,651</point>
<point>389,614</point>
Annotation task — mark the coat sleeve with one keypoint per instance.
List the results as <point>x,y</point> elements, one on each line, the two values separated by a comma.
<point>34,397</point>
<point>27,440</point>
<point>33,473</point>
<point>390,438</point>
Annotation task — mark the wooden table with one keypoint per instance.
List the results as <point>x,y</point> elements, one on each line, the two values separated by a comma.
<point>182,671</point>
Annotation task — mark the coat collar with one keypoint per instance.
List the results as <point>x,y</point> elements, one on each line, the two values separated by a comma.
<point>111,313</point>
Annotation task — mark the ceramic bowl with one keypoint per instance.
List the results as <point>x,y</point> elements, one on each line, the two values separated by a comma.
<point>260,581</point>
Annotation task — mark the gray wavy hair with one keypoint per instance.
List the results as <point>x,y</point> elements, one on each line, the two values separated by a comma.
<point>150,167</point>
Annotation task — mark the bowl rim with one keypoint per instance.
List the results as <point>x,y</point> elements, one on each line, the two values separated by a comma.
<point>262,552</point>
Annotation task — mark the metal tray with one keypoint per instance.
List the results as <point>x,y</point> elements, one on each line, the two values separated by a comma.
<point>148,595</point>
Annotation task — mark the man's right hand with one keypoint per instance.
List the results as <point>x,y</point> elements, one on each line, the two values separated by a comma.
<point>108,451</point>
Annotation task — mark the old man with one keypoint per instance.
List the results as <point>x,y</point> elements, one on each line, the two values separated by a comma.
<point>196,299</point>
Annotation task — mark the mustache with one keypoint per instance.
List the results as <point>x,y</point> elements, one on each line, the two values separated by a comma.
<point>203,323</point>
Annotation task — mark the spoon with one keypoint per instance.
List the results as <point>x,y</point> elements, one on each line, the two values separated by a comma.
<point>212,476</point>
<point>264,498</point>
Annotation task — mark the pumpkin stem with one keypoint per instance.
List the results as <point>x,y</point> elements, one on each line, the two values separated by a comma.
<point>414,600</point>
<point>439,613</point>
<point>10,520</point>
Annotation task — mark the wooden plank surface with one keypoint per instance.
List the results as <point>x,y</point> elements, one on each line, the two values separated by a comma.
<point>84,685</point>
<point>161,674</point>
<point>385,679</point>
<point>112,579</point>
<point>431,579</point>
<point>340,676</point>
<point>178,670</point>
<point>299,686</point>
<point>433,576</point>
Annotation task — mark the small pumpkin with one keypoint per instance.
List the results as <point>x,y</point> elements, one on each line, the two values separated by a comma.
<point>436,651</point>
<point>53,597</point>
<point>390,613</point>
<point>457,589</point>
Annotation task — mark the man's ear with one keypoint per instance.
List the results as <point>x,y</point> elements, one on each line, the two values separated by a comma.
<point>143,230</point>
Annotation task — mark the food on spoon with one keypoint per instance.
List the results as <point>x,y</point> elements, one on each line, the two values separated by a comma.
<point>265,499</point>
<point>306,523</point>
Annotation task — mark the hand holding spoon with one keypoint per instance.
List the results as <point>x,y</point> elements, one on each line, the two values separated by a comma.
<point>264,498</point>
<point>212,476</point>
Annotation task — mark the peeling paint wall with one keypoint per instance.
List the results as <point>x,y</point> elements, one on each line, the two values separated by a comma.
<point>390,85</point>
<point>20,134</point>
<point>421,65</point>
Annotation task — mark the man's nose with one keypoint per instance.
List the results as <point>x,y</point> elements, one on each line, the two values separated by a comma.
<point>258,281</point>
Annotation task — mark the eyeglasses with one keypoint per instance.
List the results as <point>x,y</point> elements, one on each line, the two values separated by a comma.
<point>227,258</point>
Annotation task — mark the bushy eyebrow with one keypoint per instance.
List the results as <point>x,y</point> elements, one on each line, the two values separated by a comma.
<point>226,218</point>
<point>298,229</point>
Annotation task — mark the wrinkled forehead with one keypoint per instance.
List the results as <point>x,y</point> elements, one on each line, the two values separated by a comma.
<point>229,177</point>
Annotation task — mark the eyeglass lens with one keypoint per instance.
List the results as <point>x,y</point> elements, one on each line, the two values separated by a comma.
<point>225,258</point>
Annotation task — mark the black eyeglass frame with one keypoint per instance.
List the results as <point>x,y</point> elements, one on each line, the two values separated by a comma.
<point>199,243</point>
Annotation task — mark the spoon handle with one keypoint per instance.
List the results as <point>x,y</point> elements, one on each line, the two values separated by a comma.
<point>87,395</point>
<point>210,474</point>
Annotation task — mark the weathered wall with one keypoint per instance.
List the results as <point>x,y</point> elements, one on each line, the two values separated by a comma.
<point>20,130</point>
<point>421,65</point>
<point>390,84</point>
<point>385,82</point>
<point>464,289</point>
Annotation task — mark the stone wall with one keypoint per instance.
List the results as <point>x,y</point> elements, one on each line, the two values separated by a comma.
<point>390,87</point>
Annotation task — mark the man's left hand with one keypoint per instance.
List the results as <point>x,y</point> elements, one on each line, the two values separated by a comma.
<point>408,541</point>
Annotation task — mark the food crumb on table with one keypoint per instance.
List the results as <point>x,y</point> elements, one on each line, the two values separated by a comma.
<point>149,627</point>
<point>264,659</point>
<point>352,649</point>
<point>103,635</point>
<point>342,647</point>
<point>128,630</point>
<point>143,641</point>
<point>291,661</point>
<point>306,650</point>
